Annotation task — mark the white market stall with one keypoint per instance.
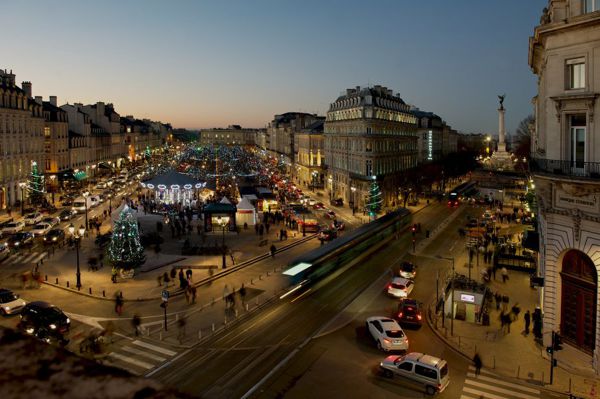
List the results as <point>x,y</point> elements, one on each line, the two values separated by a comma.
<point>245,213</point>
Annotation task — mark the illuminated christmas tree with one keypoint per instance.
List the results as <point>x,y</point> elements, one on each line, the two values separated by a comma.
<point>125,250</point>
<point>35,185</point>
<point>374,200</point>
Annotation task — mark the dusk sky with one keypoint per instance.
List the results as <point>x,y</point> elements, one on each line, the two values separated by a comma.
<point>213,63</point>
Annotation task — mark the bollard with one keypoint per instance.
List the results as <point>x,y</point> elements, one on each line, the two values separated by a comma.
<point>90,290</point>
<point>160,336</point>
<point>494,362</point>
<point>246,307</point>
<point>251,281</point>
<point>57,280</point>
<point>104,293</point>
<point>46,277</point>
<point>213,327</point>
<point>256,301</point>
<point>236,313</point>
<point>176,316</point>
<point>199,334</point>
<point>67,283</point>
<point>148,331</point>
<point>518,370</point>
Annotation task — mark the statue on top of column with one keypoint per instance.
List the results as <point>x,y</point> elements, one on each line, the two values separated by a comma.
<point>501,99</point>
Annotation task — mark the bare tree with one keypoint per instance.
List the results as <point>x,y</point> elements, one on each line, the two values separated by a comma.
<point>523,137</point>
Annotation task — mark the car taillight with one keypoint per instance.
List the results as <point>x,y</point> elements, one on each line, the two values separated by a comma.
<point>419,317</point>
<point>400,314</point>
<point>388,286</point>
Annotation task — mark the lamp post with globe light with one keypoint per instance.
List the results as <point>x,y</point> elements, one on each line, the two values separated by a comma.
<point>22,185</point>
<point>222,222</point>
<point>77,237</point>
<point>353,189</point>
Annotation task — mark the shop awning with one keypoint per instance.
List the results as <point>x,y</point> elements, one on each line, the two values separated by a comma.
<point>79,176</point>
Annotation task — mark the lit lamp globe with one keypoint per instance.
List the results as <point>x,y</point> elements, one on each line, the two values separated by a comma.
<point>81,231</point>
<point>71,229</point>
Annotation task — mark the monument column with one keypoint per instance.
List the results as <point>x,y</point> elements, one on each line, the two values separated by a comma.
<point>501,131</point>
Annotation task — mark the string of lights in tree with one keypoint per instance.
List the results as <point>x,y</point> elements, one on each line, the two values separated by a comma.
<point>374,199</point>
<point>125,250</point>
<point>35,185</point>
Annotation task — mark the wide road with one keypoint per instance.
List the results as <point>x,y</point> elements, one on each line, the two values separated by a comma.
<point>229,365</point>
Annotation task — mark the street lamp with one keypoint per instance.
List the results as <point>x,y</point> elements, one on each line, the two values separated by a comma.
<point>109,205</point>
<point>22,185</point>
<point>451,294</point>
<point>353,189</point>
<point>77,237</point>
<point>314,179</point>
<point>330,180</point>
<point>221,221</point>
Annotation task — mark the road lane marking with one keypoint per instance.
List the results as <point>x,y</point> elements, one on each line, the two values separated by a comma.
<point>154,348</point>
<point>502,382</point>
<point>130,360</point>
<point>142,353</point>
<point>301,295</point>
<point>498,389</point>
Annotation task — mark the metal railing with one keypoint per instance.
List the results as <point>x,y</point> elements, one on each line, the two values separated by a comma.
<point>565,168</point>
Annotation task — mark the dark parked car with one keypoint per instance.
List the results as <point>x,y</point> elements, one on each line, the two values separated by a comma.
<point>327,234</point>
<point>20,240</point>
<point>409,313</point>
<point>338,202</point>
<point>54,236</point>
<point>66,214</point>
<point>44,320</point>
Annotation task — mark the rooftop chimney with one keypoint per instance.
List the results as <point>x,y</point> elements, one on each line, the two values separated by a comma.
<point>38,99</point>
<point>53,100</point>
<point>26,86</point>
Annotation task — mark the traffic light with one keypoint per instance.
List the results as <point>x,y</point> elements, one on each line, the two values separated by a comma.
<point>557,341</point>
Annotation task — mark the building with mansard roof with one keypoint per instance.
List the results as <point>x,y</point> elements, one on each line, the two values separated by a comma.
<point>369,134</point>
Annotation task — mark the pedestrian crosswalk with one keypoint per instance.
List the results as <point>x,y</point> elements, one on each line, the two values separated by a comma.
<point>25,258</point>
<point>491,386</point>
<point>139,356</point>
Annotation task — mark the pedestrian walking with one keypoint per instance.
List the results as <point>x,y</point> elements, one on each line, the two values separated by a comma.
<point>494,268</point>
<point>273,250</point>
<point>242,293</point>
<point>232,258</point>
<point>477,363</point>
<point>181,322</point>
<point>498,299</point>
<point>527,317</point>
<point>193,293</point>
<point>188,274</point>
<point>113,274</point>
<point>504,272</point>
<point>136,322</point>
<point>173,273</point>
<point>119,303</point>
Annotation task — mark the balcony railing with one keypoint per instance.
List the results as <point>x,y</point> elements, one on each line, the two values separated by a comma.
<point>565,168</point>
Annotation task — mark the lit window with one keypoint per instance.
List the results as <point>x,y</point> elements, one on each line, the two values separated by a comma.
<point>576,73</point>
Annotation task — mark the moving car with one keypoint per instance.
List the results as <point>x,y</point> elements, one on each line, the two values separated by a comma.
<point>318,206</point>
<point>330,214</point>
<point>13,227</point>
<point>387,333</point>
<point>424,370</point>
<point>43,320</point>
<point>51,220</point>
<point>10,303</point>
<point>66,214</point>
<point>409,313</point>
<point>327,234</point>
<point>40,229</point>
<point>337,225</point>
<point>54,236</point>
<point>33,218</point>
<point>400,287</point>
<point>407,270</point>
<point>20,239</point>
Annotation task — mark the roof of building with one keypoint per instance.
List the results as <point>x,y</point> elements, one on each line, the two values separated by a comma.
<point>315,128</point>
<point>376,96</point>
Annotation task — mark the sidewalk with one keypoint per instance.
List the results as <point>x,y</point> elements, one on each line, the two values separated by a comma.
<point>514,355</point>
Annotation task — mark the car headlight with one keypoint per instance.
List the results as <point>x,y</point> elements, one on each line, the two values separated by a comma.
<point>68,320</point>
<point>7,308</point>
<point>16,244</point>
<point>52,326</point>
<point>53,238</point>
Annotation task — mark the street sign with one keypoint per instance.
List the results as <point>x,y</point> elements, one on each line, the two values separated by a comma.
<point>165,295</point>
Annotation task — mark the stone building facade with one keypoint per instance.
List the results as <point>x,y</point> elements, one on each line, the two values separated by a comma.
<point>369,134</point>
<point>563,53</point>
<point>232,135</point>
<point>310,155</point>
<point>21,137</point>
<point>281,132</point>
<point>56,142</point>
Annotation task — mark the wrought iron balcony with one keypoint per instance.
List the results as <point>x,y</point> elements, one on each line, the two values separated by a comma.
<point>590,170</point>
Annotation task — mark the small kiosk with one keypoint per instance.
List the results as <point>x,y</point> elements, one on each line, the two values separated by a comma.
<point>465,304</point>
<point>219,216</point>
<point>245,213</point>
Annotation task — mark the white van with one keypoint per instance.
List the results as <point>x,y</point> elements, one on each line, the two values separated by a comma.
<point>79,204</point>
<point>428,371</point>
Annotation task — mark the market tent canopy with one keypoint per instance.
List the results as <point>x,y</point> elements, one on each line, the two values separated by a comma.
<point>173,179</point>
<point>244,204</point>
<point>225,201</point>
